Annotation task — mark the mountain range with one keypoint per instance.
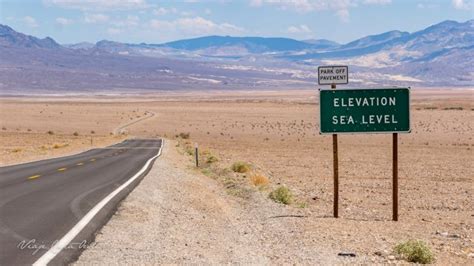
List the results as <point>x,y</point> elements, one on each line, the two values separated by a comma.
<point>440,55</point>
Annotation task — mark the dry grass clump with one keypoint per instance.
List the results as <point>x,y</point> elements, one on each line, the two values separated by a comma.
<point>189,149</point>
<point>17,150</point>
<point>75,134</point>
<point>240,167</point>
<point>211,159</point>
<point>58,146</point>
<point>50,132</point>
<point>184,135</point>
<point>281,195</point>
<point>259,180</point>
<point>459,108</point>
<point>415,251</point>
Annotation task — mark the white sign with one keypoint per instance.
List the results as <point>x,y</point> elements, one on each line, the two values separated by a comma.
<point>328,75</point>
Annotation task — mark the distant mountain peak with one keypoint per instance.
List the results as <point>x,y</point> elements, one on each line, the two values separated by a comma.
<point>322,43</point>
<point>376,39</point>
<point>252,44</point>
<point>12,38</point>
<point>5,29</point>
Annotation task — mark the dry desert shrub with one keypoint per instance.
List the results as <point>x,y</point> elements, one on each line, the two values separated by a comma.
<point>415,251</point>
<point>240,167</point>
<point>189,150</point>
<point>454,108</point>
<point>50,132</point>
<point>259,180</point>
<point>281,195</point>
<point>17,150</point>
<point>184,135</point>
<point>211,159</point>
<point>75,134</point>
<point>58,146</point>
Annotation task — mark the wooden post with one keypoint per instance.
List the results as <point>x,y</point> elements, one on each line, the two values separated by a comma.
<point>395,177</point>
<point>196,152</point>
<point>335,171</point>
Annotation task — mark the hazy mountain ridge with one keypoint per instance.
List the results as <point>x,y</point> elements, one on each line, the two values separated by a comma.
<point>374,40</point>
<point>9,37</point>
<point>440,55</point>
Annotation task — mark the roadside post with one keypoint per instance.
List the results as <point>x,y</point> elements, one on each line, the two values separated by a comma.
<point>335,165</point>
<point>353,111</point>
<point>395,176</point>
<point>196,152</point>
<point>332,75</point>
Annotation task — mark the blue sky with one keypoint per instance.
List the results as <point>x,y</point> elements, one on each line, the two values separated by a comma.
<point>135,21</point>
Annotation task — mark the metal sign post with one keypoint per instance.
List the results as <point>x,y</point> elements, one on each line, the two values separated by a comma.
<point>335,165</point>
<point>395,177</point>
<point>349,111</point>
<point>332,75</point>
<point>196,152</point>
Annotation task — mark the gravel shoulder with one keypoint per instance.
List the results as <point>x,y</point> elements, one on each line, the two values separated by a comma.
<point>178,216</point>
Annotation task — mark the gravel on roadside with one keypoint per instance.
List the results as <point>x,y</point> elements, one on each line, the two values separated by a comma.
<point>176,216</point>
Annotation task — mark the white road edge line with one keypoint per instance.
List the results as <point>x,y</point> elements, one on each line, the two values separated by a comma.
<point>69,236</point>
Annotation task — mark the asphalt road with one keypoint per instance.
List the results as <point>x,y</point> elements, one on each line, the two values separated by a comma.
<point>42,201</point>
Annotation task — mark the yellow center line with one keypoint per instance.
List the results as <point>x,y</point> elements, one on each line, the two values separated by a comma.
<point>34,176</point>
<point>80,164</point>
<point>62,169</point>
<point>92,160</point>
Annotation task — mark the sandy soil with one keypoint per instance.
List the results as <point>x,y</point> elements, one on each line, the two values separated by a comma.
<point>180,217</point>
<point>277,133</point>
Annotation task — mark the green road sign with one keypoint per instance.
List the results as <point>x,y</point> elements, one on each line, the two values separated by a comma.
<point>364,110</point>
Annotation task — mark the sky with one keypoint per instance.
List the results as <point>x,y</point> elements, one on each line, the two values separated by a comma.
<point>151,21</point>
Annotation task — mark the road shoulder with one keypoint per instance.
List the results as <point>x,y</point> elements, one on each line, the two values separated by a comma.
<point>178,216</point>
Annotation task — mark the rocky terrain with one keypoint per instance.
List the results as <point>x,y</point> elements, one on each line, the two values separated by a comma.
<point>423,58</point>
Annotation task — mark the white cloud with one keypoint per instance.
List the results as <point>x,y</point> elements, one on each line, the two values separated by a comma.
<point>130,21</point>
<point>427,6</point>
<point>186,13</point>
<point>256,2</point>
<point>463,5</point>
<point>99,4</point>
<point>340,7</point>
<point>95,18</point>
<point>377,2</point>
<point>63,21</point>
<point>163,11</point>
<point>343,15</point>
<point>299,29</point>
<point>30,22</point>
<point>304,6</point>
<point>195,26</point>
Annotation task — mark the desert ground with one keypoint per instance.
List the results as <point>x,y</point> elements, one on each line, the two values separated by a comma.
<point>276,132</point>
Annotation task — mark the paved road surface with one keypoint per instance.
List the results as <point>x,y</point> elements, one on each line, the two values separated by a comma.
<point>42,201</point>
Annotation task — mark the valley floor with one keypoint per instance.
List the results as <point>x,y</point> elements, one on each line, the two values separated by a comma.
<point>277,133</point>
